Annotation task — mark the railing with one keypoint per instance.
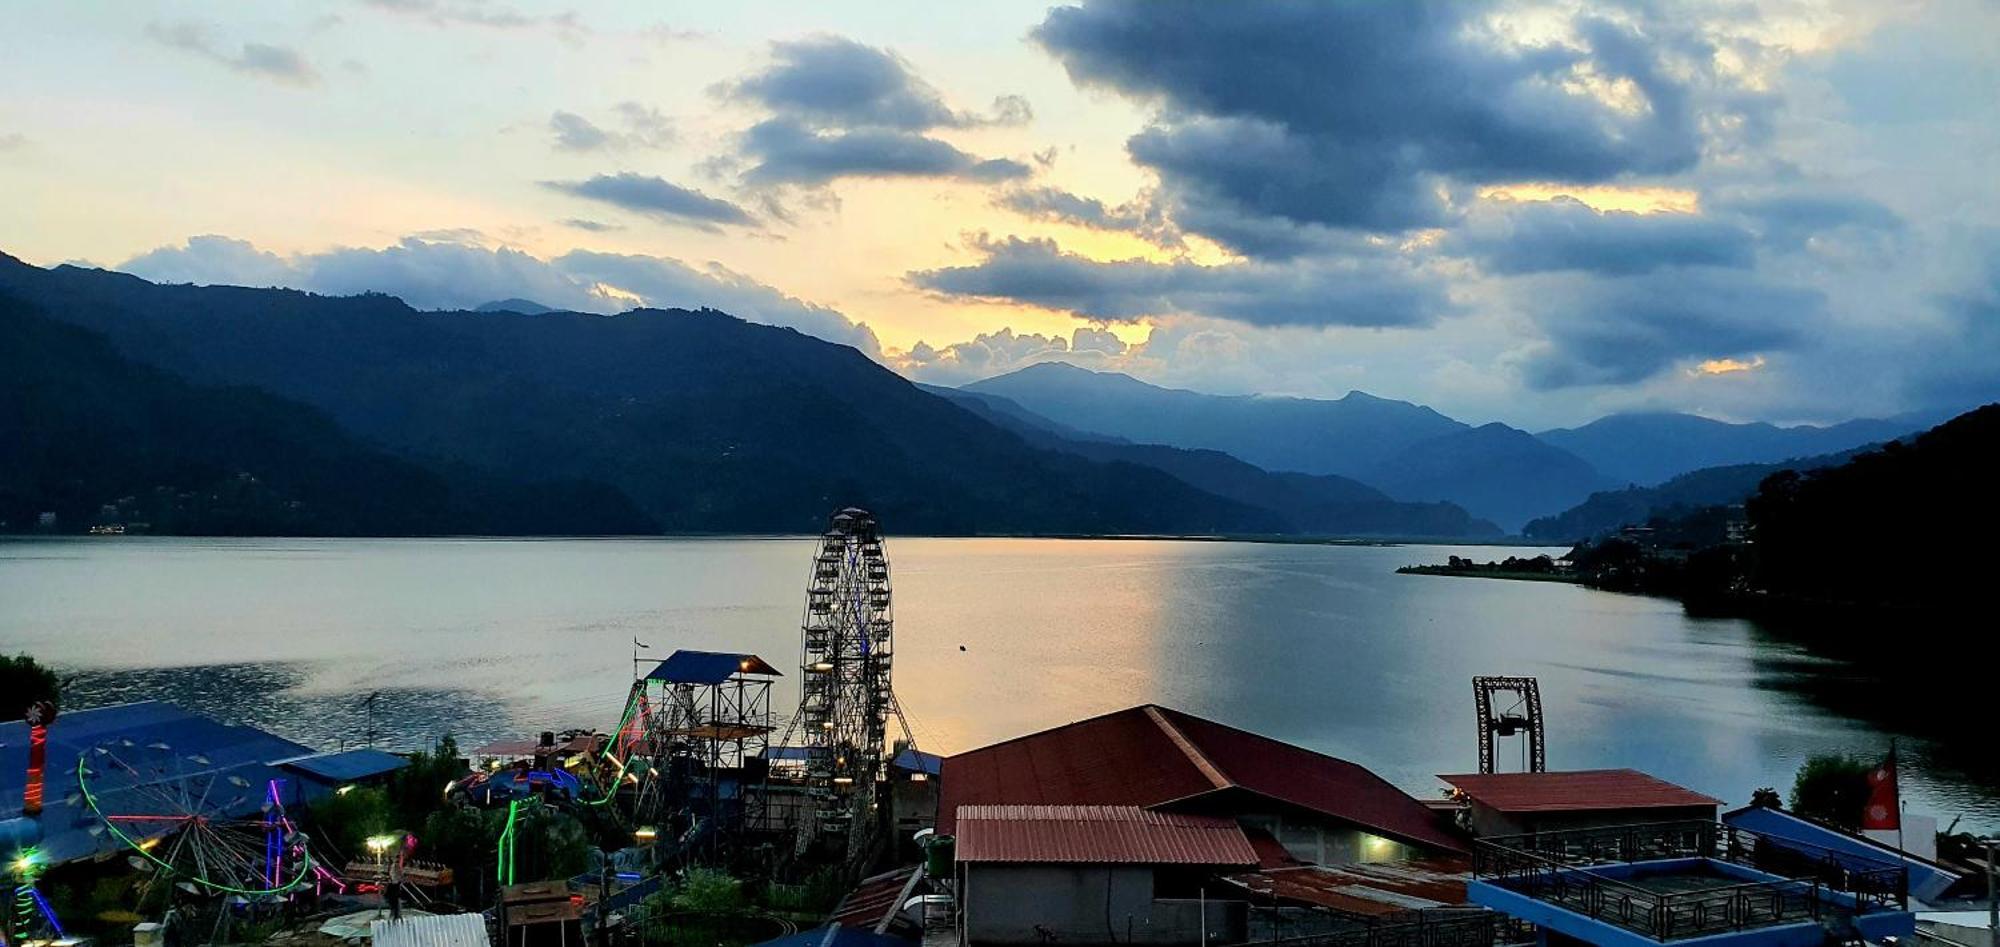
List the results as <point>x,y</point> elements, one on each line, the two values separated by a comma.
<point>1427,928</point>
<point>1558,867</point>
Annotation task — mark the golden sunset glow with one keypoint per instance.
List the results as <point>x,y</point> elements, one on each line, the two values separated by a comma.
<point>1728,366</point>
<point>1601,197</point>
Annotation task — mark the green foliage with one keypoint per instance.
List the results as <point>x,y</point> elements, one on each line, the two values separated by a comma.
<point>817,896</point>
<point>417,790</point>
<point>24,681</point>
<point>1832,788</point>
<point>709,890</point>
<point>463,838</point>
<point>548,844</point>
<point>346,820</point>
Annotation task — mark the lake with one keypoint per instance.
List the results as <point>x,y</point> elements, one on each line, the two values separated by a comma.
<point>1324,646</point>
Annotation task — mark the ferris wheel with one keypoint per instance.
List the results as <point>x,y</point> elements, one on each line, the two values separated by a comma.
<point>845,663</point>
<point>194,823</point>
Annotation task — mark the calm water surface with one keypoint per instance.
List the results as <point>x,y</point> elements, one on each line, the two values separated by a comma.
<point>1319,645</point>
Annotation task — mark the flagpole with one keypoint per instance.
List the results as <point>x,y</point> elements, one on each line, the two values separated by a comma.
<point>1896,784</point>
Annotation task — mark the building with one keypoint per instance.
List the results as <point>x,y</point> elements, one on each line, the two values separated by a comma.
<point>1095,874</point>
<point>1319,809</point>
<point>1519,803</point>
<point>1695,882</point>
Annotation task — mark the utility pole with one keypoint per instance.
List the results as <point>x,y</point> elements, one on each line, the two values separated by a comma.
<point>1992,895</point>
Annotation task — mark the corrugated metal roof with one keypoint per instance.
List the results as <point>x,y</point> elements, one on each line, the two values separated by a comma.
<point>1149,756</point>
<point>228,765</point>
<point>1374,890</point>
<point>347,765</point>
<point>433,930</point>
<point>1098,834</point>
<point>1575,791</point>
<point>834,935</point>
<point>872,902</point>
<point>708,667</point>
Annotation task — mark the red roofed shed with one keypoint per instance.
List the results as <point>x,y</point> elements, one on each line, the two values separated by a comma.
<point>1322,809</point>
<point>1112,834</point>
<point>1514,803</point>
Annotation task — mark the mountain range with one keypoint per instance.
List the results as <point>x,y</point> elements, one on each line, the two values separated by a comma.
<point>653,420</point>
<point>517,418</point>
<point>1413,453</point>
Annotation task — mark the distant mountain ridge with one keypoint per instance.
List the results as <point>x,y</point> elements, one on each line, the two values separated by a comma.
<point>1608,511</point>
<point>1320,504</point>
<point>1414,453</point>
<point>1650,448</point>
<point>1409,452</point>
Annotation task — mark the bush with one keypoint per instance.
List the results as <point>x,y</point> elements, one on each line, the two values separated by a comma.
<point>1832,788</point>
<point>24,681</point>
<point>710,890</point>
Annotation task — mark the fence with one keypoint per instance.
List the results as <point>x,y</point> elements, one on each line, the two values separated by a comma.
<point>1811,881</point>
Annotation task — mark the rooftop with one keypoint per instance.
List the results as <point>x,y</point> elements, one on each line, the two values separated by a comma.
<point>708,667</point>
<point>181,753</point>
<point>346,766</point>
<point>1576,790</point>
<point>1374,890</point>
<point>1098,834</point>
<point>1149,756</point>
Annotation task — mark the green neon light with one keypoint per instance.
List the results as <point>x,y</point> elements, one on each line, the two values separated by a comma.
<point>90,799</point>
<point>606,795</point>
<point>504,870</point>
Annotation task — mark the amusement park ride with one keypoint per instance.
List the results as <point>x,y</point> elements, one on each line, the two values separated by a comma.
<point>1521,718</point>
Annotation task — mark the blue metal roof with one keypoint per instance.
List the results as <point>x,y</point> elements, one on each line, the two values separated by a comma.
<point>708,667</point>
<point>917,761</point>
<point>834,935</point>
<point>348,765</point>
<point>163,746</point>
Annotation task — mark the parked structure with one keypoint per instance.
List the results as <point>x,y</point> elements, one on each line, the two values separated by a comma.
<point>1519,803</point>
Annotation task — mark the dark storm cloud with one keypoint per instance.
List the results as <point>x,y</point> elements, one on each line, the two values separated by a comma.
<point>1351,115</point>
<point>1565,234</point>
<point>844,109</point>
<point>1622,331</point>
<point>790,152</point>
<point>277,63</point>
<point>1352,292</point>
<point>656,198</point>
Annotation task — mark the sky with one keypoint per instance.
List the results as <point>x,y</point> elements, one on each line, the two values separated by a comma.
<point>1536,213</point>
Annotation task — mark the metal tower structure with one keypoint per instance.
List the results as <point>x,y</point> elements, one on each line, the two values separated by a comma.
<point>847,700</point>
<point>703,735</point>
<point>1523,718</point>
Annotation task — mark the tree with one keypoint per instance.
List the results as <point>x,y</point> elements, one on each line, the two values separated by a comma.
<point>416,790</point>
<point>25,681</point>
<point>1832,788</point>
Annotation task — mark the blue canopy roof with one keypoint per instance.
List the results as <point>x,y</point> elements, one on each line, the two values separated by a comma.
<point>708,667</point>
<point>348,765</point>
<point>169,744</point>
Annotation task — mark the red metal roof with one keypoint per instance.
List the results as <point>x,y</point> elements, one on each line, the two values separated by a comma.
<point>1148,756</point>
<point>1098,834</point>
<point>874,901</point>
<point>1374,890</point>
<point>1575,791</point>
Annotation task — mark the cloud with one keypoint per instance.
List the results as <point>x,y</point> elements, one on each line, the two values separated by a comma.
<point>839,109</point>
<point>1358,115</point>
<point>13,141</point>
<point>1564,234</point>
<point>460,275</point>
<point>1623,331</point>
<point>1788,220</point>
<point>1350,291</point>
<point>263,60</point>
<point>644,127</point>
<point>1141,217</point>
<point>592,226</point>
<point>788,152</point>
<point>1001,351</point>
<point>657,198</point>
<point>482,13</point>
